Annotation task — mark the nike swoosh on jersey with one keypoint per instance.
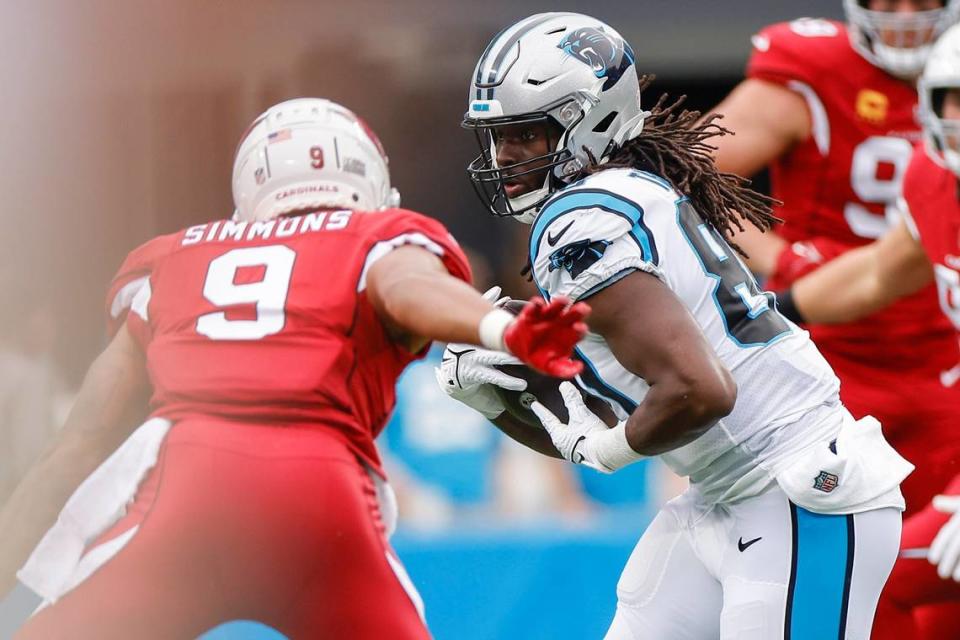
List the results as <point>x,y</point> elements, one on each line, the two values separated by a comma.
<point>743,546</point>
<point>552,240</point>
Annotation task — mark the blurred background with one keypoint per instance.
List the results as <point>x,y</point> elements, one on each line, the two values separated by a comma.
<point>120,121</point>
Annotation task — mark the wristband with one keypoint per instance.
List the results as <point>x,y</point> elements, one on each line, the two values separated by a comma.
<point>492,327</point>
<point>612,449</point>
<point>787,307</point>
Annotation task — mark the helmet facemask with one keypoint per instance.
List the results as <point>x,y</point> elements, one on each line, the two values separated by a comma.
<point>567,71</point>
<point>897,42</point>
<point>943,134</point>
<point>490,180</point>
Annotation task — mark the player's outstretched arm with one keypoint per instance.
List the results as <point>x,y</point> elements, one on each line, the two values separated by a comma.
<point>109,405</point>
<point>469,374</point>
<point>766,119</point>
<point>419,301</point>
<point>861,281</point>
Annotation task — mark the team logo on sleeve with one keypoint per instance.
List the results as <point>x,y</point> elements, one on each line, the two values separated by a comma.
<point>577,257</point>
<point>826,482</point>
<point>607,55</point>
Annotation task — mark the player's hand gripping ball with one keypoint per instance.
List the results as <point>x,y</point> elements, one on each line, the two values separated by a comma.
<point>545,334</point>
<point>542,388</point>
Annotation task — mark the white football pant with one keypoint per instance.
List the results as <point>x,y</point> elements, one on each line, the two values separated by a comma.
<point>760,569</point>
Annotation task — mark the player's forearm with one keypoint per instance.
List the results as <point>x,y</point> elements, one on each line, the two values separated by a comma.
<point>35,505</point>
<point>864,280</point>
<point>535,438</point>
<point>435,306</point>
<point>108,407</point>
<point>762,248</point>
<point>846,289</point>
<point>676,412</point>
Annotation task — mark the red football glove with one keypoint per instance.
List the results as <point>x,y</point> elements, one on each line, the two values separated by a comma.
<point>544,334</point>
<point>800,258</point>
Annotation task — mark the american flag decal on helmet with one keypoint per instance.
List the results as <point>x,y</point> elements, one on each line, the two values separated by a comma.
<point>278,136</point>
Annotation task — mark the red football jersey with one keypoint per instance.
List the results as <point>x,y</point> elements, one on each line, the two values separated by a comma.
<point>932,194</point>
<point>843,183</point>
<point>269,322</point>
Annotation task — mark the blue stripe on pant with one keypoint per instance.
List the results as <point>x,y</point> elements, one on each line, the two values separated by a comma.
<point>822,563</point>
<point>242,630</point>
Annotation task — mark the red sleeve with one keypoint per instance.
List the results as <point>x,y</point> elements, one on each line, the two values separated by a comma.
<point>913,177</point>
<point>924,182</point>
<point>130,277</point>
<point>398,227</point>
<point>798,50</point>
<point>395,228</point>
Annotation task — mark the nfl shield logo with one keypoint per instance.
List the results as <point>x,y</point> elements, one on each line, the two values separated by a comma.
<point>826,482</point>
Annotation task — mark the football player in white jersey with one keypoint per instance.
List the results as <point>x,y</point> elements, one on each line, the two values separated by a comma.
<point>792,520</point>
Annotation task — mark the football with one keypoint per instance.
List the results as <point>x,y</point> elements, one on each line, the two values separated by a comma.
<point>544,388</point>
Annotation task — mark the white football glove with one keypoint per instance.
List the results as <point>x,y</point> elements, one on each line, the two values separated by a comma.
<point>466,372</point>
<point>945,550</point>
<point>586,439</point>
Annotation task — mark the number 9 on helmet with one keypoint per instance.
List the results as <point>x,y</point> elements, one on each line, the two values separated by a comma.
<point>309,153</point>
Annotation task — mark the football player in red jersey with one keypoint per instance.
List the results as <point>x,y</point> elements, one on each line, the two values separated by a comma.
<point>272,343</point>
<point>829,107</point>
<point>923,247</point>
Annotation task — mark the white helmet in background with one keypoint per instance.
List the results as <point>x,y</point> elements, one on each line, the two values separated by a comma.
<point>309,153</point>
<point>565,69</point>
<point>941,74</point>
<point>911,35</point>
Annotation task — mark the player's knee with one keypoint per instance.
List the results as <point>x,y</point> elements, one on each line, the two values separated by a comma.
<point>620,628</point>
<point>749,621</point>
<point>643,573</point>
<point>752,610</point>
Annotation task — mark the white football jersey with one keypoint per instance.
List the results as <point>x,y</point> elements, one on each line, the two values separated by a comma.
<point>608,225</point>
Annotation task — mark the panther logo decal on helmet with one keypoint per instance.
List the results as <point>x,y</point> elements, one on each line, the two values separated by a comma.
<point>609,57</point>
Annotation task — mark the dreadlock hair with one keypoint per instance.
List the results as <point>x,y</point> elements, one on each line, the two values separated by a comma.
<point>674,145</point>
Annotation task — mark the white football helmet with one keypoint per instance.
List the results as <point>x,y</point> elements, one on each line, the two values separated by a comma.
<point>913,34</point>
<point>309,153</point>
<point>941,73</point>
<point>567,69</point>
